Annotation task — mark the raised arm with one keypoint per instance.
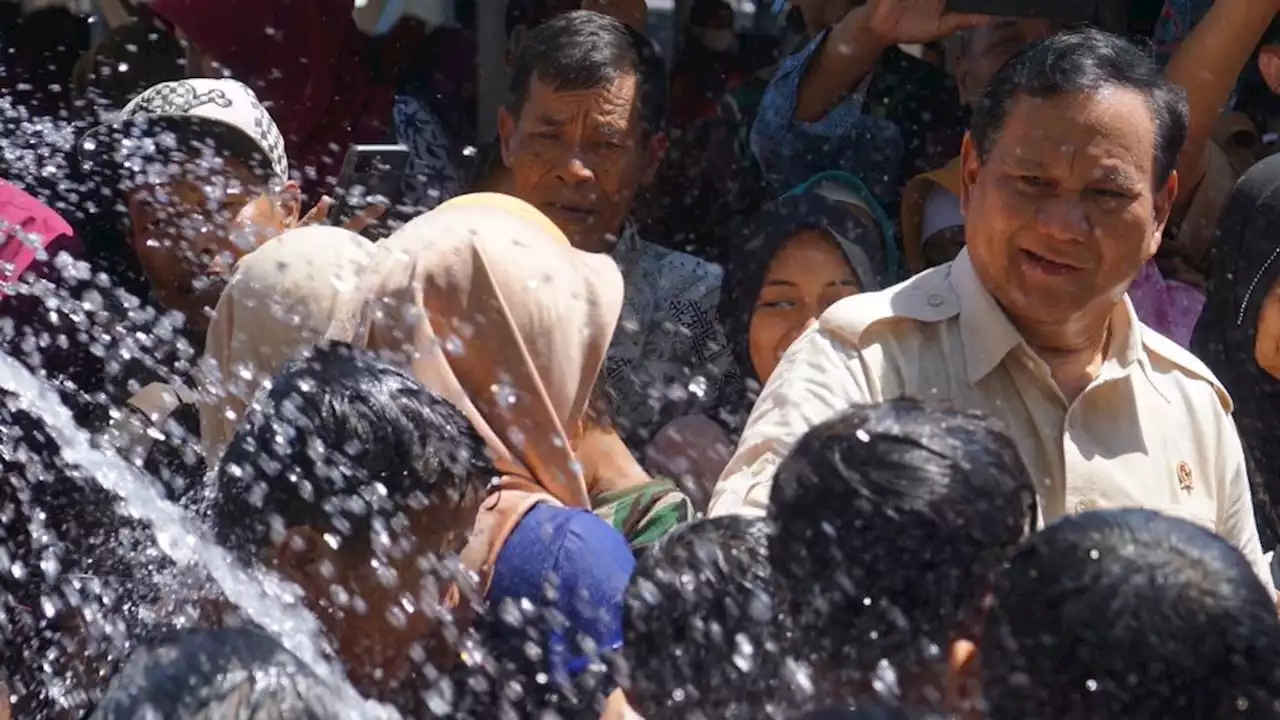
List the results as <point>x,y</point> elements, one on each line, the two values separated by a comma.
<point>1206,65</point>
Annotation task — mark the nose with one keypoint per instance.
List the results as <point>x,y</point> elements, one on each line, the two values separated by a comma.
<point>574,171</point>
<point>797,331</point>
<point>1063,217</point>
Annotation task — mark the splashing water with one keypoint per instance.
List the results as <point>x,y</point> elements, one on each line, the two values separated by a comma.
<point>262,600</point>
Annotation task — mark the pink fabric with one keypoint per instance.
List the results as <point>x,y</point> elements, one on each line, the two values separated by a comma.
<point>1169,307</point>
<point>29,226</point>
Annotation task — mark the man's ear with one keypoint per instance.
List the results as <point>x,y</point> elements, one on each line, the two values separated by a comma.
<point>1163,202</point>
<point>656,150</point>
<point>506,135</point>
<point>1269,66</point>
<point>970,164</point>
<point>964,680</point>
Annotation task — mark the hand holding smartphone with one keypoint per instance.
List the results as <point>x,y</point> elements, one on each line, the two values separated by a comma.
<point>371,176</point>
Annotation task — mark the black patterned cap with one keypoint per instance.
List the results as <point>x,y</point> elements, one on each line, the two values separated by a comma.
<point>220,101</point>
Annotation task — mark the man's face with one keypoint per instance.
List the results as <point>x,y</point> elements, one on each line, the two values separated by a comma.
<point>580,156</point>
<point>190,230</point>
<point>1062,215</point>
<point>987,48</point>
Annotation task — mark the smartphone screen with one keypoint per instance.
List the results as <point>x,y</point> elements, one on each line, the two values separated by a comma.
<point>371,175</point>
<point>1060,10</point>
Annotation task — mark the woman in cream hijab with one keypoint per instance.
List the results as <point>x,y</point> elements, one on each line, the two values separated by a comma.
<point>488,304</point>
<point>282,298</point>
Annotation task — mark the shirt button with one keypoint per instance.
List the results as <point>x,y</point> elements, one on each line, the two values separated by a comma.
<point>936,300</point>
<point>1086,505</point>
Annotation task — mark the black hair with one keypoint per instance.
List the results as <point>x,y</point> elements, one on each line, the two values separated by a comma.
<point>584,50</point>
<point>1129,613</point>
<point>889,521</point>
<point>342,442</point>
<point>1084,61</point>
<point>698,623</point>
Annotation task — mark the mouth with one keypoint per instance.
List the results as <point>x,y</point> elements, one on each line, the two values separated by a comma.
<point>1047,266</point>
<point>569,210</point>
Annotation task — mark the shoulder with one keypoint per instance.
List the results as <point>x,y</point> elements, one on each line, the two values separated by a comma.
<point>927,298</point>
<point>571,537</point>
<point>680,272</point>
<point>1177,365</point>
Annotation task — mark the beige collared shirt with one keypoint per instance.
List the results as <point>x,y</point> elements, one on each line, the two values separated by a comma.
<point>1153,430</point>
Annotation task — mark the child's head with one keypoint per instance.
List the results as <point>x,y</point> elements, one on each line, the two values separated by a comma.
<point>889,522</point>
<point>1127,613</point>
<point>352,480</point>
<point>698,628</point>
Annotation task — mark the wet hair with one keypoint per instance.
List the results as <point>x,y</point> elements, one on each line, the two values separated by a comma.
<point>698,623</point>
<point>584,50</point>
<point>342,442</point>
<point>1129,613</point>
<point>1084,61</point>
<point>889,522</point>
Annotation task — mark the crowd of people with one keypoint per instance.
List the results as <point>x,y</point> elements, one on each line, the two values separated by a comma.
<point>922,368</point>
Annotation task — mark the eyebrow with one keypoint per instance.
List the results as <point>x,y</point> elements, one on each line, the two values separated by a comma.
<point>550,120</point>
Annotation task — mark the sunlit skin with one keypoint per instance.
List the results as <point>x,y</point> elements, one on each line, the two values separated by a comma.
<point>807,275</point>
<point>580,156</point>
<point>1266,343</point>
<point>1061,217</point>
<point>189,232</point>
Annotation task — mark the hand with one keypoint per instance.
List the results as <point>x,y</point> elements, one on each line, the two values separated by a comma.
<point>892,22</point>
<point>319,215</point>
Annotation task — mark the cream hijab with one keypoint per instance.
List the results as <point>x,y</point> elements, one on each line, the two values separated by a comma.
<point>282,297</point>
<point>486,302</point>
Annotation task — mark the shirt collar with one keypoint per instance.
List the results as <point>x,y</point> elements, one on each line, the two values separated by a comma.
<point>986,331</point>
<point>989,336</point>
<point>629,245</point>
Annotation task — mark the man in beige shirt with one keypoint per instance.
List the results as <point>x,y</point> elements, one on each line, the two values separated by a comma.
<point>1068,181</point>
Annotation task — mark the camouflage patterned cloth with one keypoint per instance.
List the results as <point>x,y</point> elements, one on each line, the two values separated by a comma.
<point>644,513</point>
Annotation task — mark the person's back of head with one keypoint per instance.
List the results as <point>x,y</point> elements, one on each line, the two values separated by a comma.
<point>335,429</point>
<point>889,521</point>
<point>354,481</point>
<point>215,675</point>
<point>698,629</point>
<point>1129,613</point>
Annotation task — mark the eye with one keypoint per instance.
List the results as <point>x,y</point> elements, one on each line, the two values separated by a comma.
<point>1034,181</point>
<point>777,305</point>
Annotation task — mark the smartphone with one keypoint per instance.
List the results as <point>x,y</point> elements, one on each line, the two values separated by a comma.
<point>370,175</point>
<point>1059,10</point>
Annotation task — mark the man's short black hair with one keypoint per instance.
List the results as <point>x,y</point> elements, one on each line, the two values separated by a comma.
<point>698,623</point>
<point>1084,61</point>
<point>342,442</point>
<point>1129,613</point>
<point>889,522</point>
<point>584,50</point>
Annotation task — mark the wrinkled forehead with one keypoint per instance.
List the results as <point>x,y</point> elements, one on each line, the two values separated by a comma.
<point>1110,130</point>
<point>613,101</point>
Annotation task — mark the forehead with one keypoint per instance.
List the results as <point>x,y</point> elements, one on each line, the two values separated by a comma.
<point>616,99</point>
<point>1111,126</point>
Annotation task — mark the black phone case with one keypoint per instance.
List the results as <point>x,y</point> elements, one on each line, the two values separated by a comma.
<point>1060,10</point>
